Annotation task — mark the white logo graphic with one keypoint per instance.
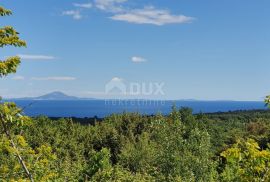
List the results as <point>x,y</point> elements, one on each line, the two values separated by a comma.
<point>116,85</point>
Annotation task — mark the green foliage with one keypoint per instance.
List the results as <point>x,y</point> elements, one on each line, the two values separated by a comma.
<point>39,160</point>
<point>19,161</point>
<point>4,12</point>
<point>132,147</point>
<point>267,100</point>
<point>245,161</point>
<point>9,66</point>
<point>139,155</point>
<point>9,37</point>
<point>117,173</point>
<point>99,161</point>
<point>10,114</point>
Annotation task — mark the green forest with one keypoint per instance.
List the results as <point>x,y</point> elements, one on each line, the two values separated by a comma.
<point>181,146</point>
<point>132,147</point>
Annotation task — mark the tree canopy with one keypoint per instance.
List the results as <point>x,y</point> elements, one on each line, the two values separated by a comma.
<point>9,37</point>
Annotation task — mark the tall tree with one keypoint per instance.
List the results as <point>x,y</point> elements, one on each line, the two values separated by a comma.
<point>9,113</point>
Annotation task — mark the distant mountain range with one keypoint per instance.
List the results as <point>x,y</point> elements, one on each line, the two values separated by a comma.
<point>53,96</point>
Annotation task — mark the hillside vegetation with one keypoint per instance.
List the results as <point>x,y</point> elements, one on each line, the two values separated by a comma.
<point>131,147</point>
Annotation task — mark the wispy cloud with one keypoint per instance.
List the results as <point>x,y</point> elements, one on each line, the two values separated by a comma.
<point>75,14</point>
<point>35,57</point>
<point>151,15</point>
<point>110,5</point>
<point>83,5</point>
<point>55,78</point>
<point>120,11</point>
<point>138,59</point>
<point>18,78</point>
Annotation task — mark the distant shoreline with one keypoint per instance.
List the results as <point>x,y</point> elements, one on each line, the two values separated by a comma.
<point>93,120</point>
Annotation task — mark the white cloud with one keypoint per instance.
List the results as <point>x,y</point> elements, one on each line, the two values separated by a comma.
<point>110,5</point>
<point>75,14</point>
<point>83,5</point>
<point>146,15</point>
<point>137,59</point>
<point>56,78</point>
<point>35,57</point>
<point>18,78</point>
<point>151,15</point>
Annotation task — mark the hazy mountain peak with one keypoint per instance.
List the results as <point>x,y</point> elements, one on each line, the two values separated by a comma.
<point>56,96</point>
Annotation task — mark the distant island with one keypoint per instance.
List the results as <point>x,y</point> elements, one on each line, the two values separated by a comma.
<point>53,96</point>
<point>56,96</point>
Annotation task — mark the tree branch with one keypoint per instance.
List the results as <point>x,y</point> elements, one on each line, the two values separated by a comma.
<point>17,152</point>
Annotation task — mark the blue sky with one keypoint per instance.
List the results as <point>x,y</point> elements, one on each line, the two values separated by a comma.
<point>209,50</point>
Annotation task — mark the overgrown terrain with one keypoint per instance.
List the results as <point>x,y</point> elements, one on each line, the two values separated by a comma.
<point>131,147</point>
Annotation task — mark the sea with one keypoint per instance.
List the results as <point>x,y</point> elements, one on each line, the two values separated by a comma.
<point>103,108</point>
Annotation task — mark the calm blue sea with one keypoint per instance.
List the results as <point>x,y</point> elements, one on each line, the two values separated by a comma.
<point>102,108</point>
